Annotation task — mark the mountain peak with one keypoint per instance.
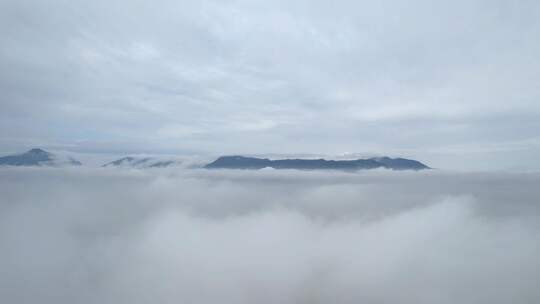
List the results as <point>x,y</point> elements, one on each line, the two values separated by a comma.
<point>36,151</point>
<point>37,157</point>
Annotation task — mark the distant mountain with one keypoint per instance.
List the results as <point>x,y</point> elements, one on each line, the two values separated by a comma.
<point>38,157</point>
<point>241,162</point>
<point>142,162</point>
<point>400,163</point>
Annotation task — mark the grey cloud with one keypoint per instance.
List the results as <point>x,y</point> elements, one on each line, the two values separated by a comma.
<point>252,76</point>
<point>109,236</point>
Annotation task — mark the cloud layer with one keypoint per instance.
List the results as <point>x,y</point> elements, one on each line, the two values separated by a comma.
<point>194,236</point>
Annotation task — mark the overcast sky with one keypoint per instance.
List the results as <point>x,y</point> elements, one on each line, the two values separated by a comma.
<point>452,83</point>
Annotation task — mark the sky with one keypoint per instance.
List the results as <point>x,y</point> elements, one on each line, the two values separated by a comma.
<point>277,236</point>
<point>451,83</point>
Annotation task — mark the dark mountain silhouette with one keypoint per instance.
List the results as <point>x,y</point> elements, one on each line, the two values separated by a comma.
<point>242,162</point>
<point>37,157</point>
<point>132,161</point>
<point>144,162</point>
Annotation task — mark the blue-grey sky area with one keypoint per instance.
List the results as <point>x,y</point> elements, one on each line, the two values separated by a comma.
<point>454,84</point>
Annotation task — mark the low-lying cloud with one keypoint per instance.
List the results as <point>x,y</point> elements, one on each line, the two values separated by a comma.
<point>196,236</point>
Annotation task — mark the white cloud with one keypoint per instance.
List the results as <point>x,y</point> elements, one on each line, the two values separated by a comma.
<point>109,236</point>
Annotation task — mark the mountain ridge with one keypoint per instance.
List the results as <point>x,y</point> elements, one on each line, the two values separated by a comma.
<point>254,163</point>
<point>141,162</point>
<point>40,157</point>
<point>37,157</point>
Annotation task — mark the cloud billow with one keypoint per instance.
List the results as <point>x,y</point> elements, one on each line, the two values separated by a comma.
<point>194,236</point>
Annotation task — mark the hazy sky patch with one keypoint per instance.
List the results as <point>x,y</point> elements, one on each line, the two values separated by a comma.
<point>408,78</point>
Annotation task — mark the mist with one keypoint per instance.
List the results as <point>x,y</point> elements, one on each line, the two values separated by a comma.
<point>202,236</point>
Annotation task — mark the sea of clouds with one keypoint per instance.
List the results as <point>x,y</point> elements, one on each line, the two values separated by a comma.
<point>203,236</point>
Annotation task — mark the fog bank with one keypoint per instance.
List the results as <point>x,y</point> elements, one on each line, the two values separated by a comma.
<point>199,236</point>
